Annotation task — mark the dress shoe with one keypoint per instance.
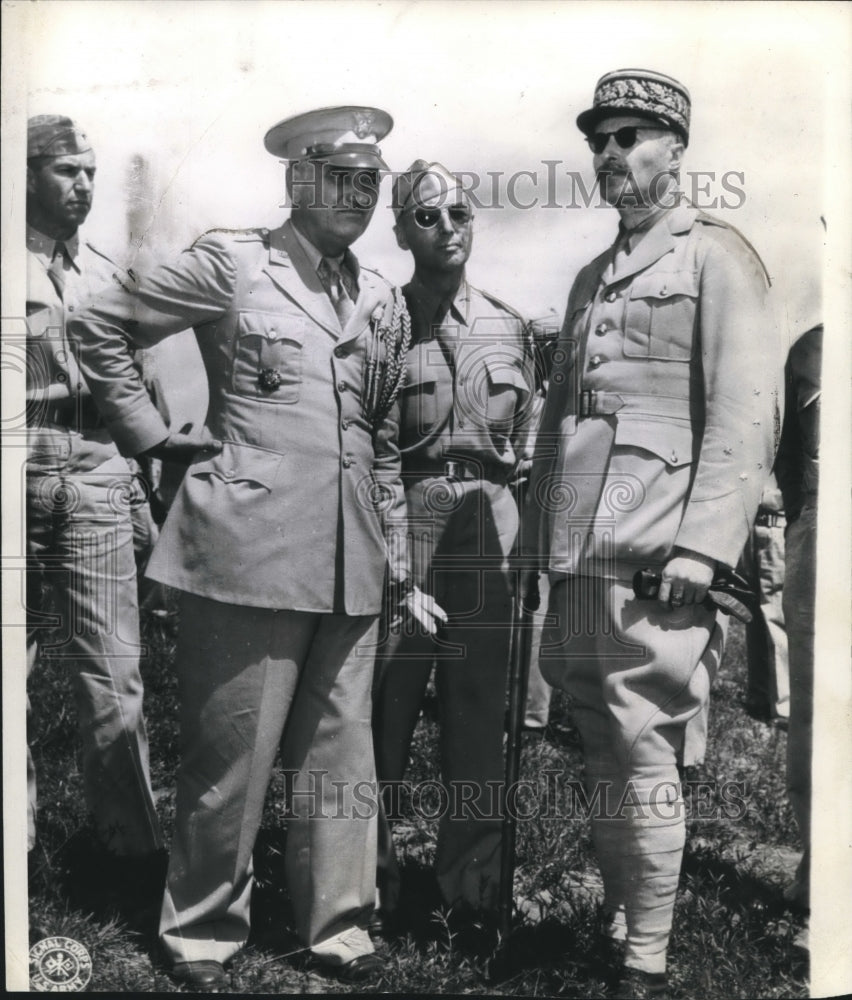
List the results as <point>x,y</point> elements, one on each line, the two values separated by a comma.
<point>364,968</point>
<point>348,956</point>
<point>635,984</point>
<point>206,976</point>
<point>383,925</point>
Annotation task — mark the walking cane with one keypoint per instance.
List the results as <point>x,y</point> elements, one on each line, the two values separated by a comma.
<point>523,606</point>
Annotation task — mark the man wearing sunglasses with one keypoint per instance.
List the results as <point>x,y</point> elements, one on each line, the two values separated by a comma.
<point>464,409</point>
<point>656,440</point>
<point>275,540</point>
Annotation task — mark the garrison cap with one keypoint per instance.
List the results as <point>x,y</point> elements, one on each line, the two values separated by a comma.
<point>419,183</point>
<point>639,92</point>
<point>55,135</point>
<point>345,137</point>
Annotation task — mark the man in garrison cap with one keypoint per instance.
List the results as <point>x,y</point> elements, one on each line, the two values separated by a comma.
<point>657,437</point>
<point>465,407</point>
<point>80,493</point>
<point>276,540</point>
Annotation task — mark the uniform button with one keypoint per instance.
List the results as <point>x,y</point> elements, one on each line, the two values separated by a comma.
<point>61,377</point>
<point>347,462</point>
<point>601,329</point>
<point>595,360</point>
<point>342,386</point>
<point>344,424</point>
<point>461,425</point>
<point>340,352</point>
<point>611,296</point>
<point>70,308</point>
<point>664,292</point>
<point>230,473</point>
<point>674,457</point>
<point>273,334</point>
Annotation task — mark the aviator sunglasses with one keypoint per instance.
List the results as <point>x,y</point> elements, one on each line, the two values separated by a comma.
<point>625,137</point>
<point>427,218</point>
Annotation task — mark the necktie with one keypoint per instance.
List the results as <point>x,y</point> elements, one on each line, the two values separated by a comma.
<point>335,284</point>
<point>56,270</point>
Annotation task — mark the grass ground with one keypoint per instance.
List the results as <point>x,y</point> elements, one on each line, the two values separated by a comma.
<point>733,933</point>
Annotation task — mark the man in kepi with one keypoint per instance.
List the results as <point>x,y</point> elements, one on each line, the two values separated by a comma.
<point>275,539</point>
<point>656,441</point>
<point>79,519</point>
<point>465,403</point>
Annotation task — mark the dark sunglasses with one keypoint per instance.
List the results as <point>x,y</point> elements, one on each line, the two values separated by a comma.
<point>625,137</point>
<point>428,218</point>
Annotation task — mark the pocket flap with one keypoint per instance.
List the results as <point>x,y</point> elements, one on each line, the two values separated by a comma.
<point>672,442</point>
<point>272,326</point>
<point>418,378</point>
<point>503,373</point>
<point>241,464</point>
<point>664,284</point>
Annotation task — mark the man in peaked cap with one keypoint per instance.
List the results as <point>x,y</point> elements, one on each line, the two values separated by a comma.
<point>464,414</point>
<point>79,516</point>
<point>276,541</point>
<point>656,440</point>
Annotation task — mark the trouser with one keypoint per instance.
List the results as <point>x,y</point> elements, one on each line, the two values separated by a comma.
<point>251,679</point>
<point>766,636</point>
<point>463,533</point>
<point>537,710</point>
<point>80,553</point>
<point>799,610</point>
<point>639,675</point>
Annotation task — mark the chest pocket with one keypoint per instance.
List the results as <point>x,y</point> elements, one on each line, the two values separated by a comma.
<point>419,403</point>
<point>661,316</point>
<point>507,392</point>
<point>268,357</point>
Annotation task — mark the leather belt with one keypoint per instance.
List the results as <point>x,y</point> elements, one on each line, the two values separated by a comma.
<point>75,413</point>
<point>768,519</point>
<point>601,403</point>
<point>459,470</point>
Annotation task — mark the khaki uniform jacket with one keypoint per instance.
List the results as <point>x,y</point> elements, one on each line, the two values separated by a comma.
<point>287,515</point>
<point>468,384</point>
<point>661,418</point>
<point>53,378</point>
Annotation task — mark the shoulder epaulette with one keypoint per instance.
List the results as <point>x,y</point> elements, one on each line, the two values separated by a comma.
<point>377,273</point>
<point>499,302</point>
<point>101,254</point>
<point>259,233</point>
<point>711,220</point>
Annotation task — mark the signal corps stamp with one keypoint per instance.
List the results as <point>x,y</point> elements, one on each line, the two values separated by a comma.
<point>59,965</point>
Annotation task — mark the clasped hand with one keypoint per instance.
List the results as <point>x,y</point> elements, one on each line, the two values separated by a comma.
<point>424,608</point>
<point>183,446</point>
<point>686,579</point>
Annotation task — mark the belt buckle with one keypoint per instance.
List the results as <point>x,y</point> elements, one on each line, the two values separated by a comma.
<point>588,401</point>
<point>452,469</point>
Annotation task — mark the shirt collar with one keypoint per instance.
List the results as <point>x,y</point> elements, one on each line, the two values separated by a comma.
<point>631,238</point>
<point>435,309</point>
<point>45,246</point>
<point>346,260</point>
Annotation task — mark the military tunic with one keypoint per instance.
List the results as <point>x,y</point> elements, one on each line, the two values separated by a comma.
<point>278,545</point>
<point>80,538</point>
<point>465,408</point>
<point>658,435</point>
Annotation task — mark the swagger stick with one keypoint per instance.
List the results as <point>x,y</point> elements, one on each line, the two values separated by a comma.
<point>523,606</point>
